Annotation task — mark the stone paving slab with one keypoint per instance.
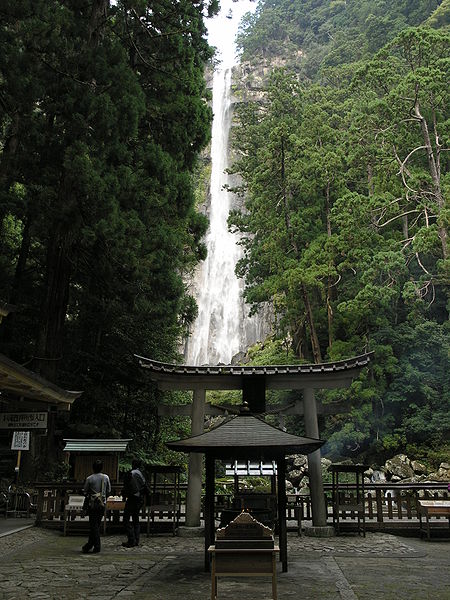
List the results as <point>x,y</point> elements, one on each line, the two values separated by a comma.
<point>38,563</point>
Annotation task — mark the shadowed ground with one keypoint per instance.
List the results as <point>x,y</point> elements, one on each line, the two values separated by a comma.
<point>37,563</point>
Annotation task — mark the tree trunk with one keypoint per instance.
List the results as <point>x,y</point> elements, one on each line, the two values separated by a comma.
<point>434,167</point>
<point>309,314</point>
<point>14,298</point>
<point>97,21</point>
<point>54,305</point>
<point>312,328</point>
<point>329,286</point>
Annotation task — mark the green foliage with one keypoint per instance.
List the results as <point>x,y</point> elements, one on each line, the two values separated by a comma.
<point>103,114</point>
<point>344,172</point>
<point>272,351</point>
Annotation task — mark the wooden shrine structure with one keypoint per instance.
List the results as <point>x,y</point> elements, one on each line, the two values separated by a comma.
<point>254,381</point>
<point>246,436</point>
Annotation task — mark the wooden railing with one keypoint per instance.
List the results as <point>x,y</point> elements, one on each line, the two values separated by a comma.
<point>52,498</point>
<point>384,502</point>
<point>381,506</point>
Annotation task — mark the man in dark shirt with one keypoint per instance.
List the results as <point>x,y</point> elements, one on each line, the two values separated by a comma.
<point>96,484</point>
<point>133,493</point>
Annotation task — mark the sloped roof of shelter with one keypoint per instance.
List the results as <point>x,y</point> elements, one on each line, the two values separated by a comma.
<point>74,445</point>
<point>20,381</point>
<point>246,436</point>
<point>277,377</point>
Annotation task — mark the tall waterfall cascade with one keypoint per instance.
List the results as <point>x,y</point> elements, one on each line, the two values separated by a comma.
<point>223,327</point>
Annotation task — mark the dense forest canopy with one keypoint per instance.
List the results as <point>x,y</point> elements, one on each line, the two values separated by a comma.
<point>343,159</point>
<point>103,112</point>
<point>344,167</point>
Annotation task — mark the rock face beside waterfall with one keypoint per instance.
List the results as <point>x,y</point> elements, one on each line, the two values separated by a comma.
<point>398,469</point>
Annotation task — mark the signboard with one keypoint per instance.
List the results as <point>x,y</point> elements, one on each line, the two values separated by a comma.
<point>23,420</point>
<point>21,440</point>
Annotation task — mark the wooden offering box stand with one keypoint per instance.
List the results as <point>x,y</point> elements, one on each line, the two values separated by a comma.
<point>244,548</point>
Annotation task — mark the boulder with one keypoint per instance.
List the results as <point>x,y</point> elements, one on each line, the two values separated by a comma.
<point>300,460</point>
<point>442,474</point>
<point>295,476</point>
<point>378,477</point>
<point>399,467</point>
<point>414,479</point>
<point>418,467</point>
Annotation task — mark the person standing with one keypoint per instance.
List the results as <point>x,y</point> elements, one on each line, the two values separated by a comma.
<point>133,492</point>
<point>97,488</point>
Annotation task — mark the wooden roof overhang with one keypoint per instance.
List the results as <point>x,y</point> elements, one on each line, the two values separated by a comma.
<point>21,382</point>
<point>5,309</point>
<point>246,436</point>
<point>278,377</point>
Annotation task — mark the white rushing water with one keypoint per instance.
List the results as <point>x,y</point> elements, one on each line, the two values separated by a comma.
<point>223,327</point>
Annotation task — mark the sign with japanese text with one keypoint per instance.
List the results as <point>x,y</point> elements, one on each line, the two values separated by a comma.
<point>23,420</point>
<point>21,440</point>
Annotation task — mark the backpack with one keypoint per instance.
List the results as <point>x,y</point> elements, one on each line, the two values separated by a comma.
<point>96,502</point>
<point>130,486</point>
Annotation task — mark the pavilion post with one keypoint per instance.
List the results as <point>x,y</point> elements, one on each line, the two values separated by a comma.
<point>209,506</point>
<point>319,516</point>
<point>194,490</point>
<point>281,476</point>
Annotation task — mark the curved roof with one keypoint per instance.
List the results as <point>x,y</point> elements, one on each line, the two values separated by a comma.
<point>246,436</point>
<point>21,382</point>
<point>277,377</point>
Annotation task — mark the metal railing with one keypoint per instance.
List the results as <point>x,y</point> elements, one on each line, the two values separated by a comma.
<point>17,502</point>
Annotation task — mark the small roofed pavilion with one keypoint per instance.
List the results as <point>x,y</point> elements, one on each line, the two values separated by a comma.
<point>246,436</point>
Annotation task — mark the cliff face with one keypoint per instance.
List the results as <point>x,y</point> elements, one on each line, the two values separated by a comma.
<point>250,78</point>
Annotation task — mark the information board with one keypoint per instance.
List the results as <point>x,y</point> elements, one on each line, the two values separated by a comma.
<point>21,440</point>
<point>23,420</point>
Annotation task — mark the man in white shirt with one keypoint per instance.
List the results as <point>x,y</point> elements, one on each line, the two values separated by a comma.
<point>97,484</point>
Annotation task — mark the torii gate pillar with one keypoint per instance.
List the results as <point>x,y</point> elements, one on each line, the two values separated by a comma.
<point>194,489</point>
<point>319,516</point>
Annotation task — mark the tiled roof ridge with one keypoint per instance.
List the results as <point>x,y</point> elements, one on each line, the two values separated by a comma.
<point>182,369</point>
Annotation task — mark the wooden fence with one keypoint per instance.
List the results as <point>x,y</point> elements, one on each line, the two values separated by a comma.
<point>389,504</point>
<point>386,505</point>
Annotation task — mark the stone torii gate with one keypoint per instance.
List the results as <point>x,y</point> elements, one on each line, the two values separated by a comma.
<point>254,381</point>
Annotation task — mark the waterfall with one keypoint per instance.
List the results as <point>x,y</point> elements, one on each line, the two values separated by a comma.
<point>223,327</point>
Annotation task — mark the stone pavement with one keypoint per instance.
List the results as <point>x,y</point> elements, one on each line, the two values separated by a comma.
<point>38,563</point>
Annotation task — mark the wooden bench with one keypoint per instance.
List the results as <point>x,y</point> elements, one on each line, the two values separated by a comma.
<point>244,548</point>
<point>432,508</point>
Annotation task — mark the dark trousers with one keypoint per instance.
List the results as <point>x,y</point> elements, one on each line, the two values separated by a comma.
<point>95,519</point>
<point>131,519</point>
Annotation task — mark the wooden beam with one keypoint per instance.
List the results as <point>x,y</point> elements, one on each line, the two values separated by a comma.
<point>334,408</point>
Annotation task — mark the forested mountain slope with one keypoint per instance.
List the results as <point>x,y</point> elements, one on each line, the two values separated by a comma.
<point>344,164</point>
